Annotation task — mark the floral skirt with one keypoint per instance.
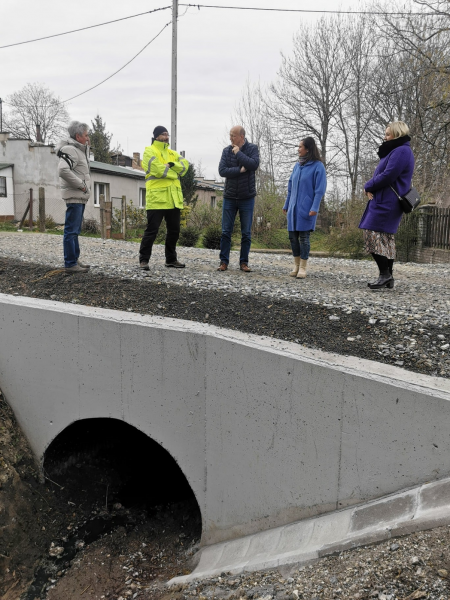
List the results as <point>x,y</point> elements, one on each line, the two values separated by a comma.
<point>378,242</point>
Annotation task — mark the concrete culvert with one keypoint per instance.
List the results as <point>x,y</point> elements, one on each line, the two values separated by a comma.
<point>110,462</point>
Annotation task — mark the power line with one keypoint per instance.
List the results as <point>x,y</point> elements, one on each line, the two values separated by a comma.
<point>85,28</point>
<point>121,68</point>
<point>56,102</point>
<point>307,10</point>
<point>294,10</point>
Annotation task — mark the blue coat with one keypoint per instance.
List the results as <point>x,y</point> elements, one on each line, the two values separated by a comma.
<point>306,188</point>
<point>239,186</point>
<point>384,212</point>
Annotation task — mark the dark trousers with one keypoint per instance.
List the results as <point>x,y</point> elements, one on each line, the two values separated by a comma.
<point>300,243</point>
<point>154,220</point>
<point>230,209</point>
<point>72,229</point>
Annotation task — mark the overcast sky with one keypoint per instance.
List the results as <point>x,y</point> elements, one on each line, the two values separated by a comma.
<point>218,50</point>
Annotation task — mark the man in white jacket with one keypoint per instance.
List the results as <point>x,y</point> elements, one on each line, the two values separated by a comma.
<point>74,173</point>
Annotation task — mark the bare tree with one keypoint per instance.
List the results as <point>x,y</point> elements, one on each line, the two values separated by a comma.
<point>417,63</point>
<point>356,110</point>
<point>32,106</point>
<point>311,84</point>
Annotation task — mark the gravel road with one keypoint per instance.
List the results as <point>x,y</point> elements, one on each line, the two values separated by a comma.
<point>331,309</point>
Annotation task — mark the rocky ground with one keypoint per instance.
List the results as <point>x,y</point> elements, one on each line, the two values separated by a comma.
<point>56,543</point>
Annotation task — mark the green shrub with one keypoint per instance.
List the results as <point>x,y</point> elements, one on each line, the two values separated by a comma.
<point>348,240</point>
<point>90,226</point>
<point>136,216</point>
<point>202,216</point>
<point>211,237</point>
<point>184,215</point>
<point>50,222</point>
<point>189,236</point>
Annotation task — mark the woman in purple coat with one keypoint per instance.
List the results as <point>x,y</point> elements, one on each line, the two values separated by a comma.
<point>383,213</point>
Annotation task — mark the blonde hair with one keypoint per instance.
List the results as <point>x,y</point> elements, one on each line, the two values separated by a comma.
<point>398,129</point>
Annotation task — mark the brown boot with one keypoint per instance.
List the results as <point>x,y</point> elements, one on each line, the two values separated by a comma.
<point>302,269</point>
<point>294,271</point>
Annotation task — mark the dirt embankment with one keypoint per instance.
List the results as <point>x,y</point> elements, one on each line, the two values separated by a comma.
<point>68,536</point>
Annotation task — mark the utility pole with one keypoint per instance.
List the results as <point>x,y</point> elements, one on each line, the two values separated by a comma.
<point>1,115</point>
<point>173,124</point>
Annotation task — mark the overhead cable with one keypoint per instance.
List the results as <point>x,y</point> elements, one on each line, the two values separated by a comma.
<point>309,10</point>
<point>103,81</point>
<point>85,28</point>
<point>121,68</point>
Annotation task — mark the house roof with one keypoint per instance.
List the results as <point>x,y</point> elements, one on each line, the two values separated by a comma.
<point>99,167</point>
<point>202,184</point>
<point>5,165</point>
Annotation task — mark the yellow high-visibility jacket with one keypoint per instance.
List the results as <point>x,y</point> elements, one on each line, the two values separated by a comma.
<point>163,188</point>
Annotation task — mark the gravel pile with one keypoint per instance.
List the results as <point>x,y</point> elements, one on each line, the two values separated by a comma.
<point>408,326</point>
<point>409,568</point>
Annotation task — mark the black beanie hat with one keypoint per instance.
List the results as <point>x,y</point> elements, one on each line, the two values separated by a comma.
<point>158,131</point>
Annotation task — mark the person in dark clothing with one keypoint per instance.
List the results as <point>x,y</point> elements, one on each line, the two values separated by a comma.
<point>238,165</point>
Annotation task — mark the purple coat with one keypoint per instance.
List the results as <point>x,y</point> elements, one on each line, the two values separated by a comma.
<point>384,212</point>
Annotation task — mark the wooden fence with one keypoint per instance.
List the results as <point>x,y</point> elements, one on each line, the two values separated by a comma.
<point>437,228</point>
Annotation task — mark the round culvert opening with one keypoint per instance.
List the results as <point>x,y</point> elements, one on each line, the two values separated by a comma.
<point>106,462</point>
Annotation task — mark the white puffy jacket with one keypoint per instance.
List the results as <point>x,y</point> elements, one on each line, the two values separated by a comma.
<point>74,171</point>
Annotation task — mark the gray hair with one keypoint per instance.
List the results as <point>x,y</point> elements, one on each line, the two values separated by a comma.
<point>77,128</point>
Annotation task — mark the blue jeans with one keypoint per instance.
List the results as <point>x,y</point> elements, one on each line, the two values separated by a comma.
<point>229,212</point>
<point>300,243</point>
<point>72,229</point>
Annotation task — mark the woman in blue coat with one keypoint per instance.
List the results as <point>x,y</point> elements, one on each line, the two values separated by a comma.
<point>383,213</point>
<point>306,188</point>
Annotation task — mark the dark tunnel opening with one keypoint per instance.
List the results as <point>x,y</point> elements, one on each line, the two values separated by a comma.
<point>114,490</point>
<point>113,462</point>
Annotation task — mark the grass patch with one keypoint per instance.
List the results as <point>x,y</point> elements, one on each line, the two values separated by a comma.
<point>7,226</point>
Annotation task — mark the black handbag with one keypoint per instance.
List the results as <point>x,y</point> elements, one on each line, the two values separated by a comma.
<point>409,201</point>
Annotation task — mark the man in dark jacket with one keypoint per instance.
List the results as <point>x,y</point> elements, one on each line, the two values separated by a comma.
<point>238,165</point>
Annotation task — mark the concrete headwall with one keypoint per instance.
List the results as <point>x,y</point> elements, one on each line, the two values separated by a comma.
<point>266,432</point>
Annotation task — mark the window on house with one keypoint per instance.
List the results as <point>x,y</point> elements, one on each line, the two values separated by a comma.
<point>213,202</point>
<point>99,188</point>
<point>142,192</point>
<point>2,187</point>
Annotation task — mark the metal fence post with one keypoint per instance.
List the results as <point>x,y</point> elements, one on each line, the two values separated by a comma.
<point>102,216</point>
<point>30,216</point>
<point>124,216</point>
<point>42,210</point>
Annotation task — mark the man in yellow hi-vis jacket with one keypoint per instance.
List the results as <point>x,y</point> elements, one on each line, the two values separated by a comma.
<point>164,198</point>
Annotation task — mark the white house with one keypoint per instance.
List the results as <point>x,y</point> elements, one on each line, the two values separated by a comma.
<point>6,192</point>
<point>26,165</point>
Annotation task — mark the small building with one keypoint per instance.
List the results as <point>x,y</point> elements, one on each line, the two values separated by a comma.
<point>122,160</point>
<point>209,191</point>
<point>6,192</point>
<point>26,165</point>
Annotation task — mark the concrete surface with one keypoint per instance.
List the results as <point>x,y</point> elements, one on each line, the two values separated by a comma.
<point>266,432</point>
<point>420,508</point>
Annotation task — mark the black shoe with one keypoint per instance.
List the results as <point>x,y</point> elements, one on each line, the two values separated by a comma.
<point>175,265</point>
<point>143,264</point>
<point>385,280</point>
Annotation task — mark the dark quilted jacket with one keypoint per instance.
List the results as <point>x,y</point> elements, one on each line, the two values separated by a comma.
<point>239,186</point>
